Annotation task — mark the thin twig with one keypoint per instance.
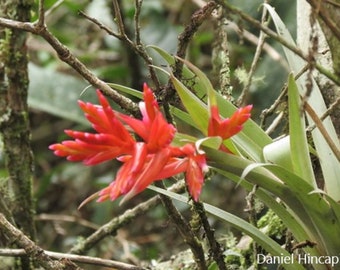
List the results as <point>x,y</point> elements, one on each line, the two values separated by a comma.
<point>249,37</point>
<point>101,26</point>
<point>255,23</point>
<point>137,46</point>
<point>119,20</point>
<point>325,16</point>
<point>53,7</point>
<point>275,123</point>
<point>115,224</point>
<point>323,130</point>
<point>66,218</point>
<point>66,56</point>
<point>74,258</point>
<point>332,107</point>
<point>272,52</point>
<point>251,209</point>
<point>41,18</point>
<point>241,100</point>
<point>335,4</point>
<point>267,112</point>
<point>185,37</point>
<point>138,8</point>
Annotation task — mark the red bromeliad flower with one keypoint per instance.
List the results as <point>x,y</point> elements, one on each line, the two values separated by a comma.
<point>143,162</point>
<point>146,161</point>
<point>226,128</point>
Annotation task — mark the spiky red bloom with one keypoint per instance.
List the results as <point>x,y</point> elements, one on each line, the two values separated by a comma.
<point>143,162</point>
<point>226,128</point>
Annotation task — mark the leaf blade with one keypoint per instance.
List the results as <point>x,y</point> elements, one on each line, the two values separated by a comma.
<point>301,161</point>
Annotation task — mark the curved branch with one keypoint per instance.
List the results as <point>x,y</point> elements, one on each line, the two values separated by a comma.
<point>14,235</point>
<point>66,56</point>
<point>115,224</point>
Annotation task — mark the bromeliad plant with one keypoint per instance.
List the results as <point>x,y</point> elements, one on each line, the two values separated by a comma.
<point>280,173</point>
<point>155,157</point>
<point>232,145</point>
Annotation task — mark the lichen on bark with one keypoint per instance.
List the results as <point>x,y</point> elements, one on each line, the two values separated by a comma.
<point>14,120</point>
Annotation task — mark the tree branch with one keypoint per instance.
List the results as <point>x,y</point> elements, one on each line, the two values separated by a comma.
<point>74,258</point>
<point>322,11</point>
<point>185,37</point>
<point>14,120</point>
<point>272,34</point>
<point>215,247</point>
<point>66,56</point>
<point>185,230</point>
<point>14,235</point>
<point>323,130</point>
<point>115,224</point>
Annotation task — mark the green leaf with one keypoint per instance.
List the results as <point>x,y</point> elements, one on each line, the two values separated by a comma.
<point>270,201</point>
<point>317,214</point>
<point>187,74</point>
<point>264,179</point>
<point>197,110</point>
<point>319,207</point>
<point>329,163</point>
<point>211,142</point>
<point>126,90</point>
<point>249,141</point>
<point>204,83</point>
<point>302,165</point>
<point>279,152</point>
<point>265,241</point>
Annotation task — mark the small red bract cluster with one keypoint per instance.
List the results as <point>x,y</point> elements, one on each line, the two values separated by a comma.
<point>146,161</point>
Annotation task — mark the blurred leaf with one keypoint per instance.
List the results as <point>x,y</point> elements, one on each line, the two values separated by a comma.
<point>100,10</point>
<point>159,31</point>
<point>58,93</point>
